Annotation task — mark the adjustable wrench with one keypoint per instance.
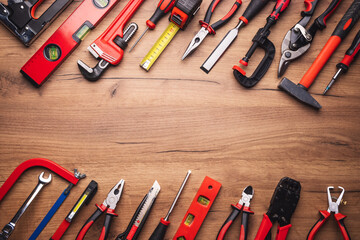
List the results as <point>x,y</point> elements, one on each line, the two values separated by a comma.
<point>9,228</point>
<point>110,45</point>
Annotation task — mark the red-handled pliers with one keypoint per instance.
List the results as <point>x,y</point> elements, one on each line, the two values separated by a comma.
<point>109,206</point>
<point>333,207</point>
<point>244,204</point>
<point>206,28</point>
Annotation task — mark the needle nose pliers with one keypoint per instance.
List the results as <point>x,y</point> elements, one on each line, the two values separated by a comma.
<point>109,206</point>
<point>333,207</point>
<point>206,28</point>
<point>244,205</point>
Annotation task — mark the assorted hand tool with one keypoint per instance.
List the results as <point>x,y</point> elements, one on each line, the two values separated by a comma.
<point>19,17</point>
<point>333,207</point>
<point>349,57</point>
<point>36,162</point>
<point>107,206</point>
<point>251,11</point>
<point>65,39</point>
<point>10,227</point>
<point>160,230</point>
<point>198,210</point>
<point>141,214</point>
<point>110,45</point>
<point>261,40</point>
<point>244,205</point>
<point>181,15</point>
<point>298,40</point>
<point>84,199</point>
<point>282,206</point>
<point>300,91</point>
<point>162,9</point>
<point>206,28</point>
<point>55,207</point>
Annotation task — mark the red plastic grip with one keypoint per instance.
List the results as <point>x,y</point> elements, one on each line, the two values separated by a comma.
<point>308,5</point>
<point>131,232</point>
<point>280,7</point>
<point>83,231</point>
<point>340,220</point>
<point>224,230</point>
<point>324,216</point>
<point>282,232</point>
<point>36,162</point>
<point>264,228</point>
<point>61,230</point>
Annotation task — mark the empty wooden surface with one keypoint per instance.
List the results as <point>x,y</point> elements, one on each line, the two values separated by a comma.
<point>143,126</point>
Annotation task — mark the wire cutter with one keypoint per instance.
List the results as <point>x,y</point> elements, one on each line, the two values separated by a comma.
<point>298,40</point>
<point>206,28</point>
<point>282,205</point>
<point>333,207</point>
<point>109,206</point>
<point>244,204</point>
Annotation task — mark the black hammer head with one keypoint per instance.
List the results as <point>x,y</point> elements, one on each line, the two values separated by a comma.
<point>299,92</point>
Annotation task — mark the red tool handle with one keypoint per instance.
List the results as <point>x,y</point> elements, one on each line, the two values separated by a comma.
<point>340,220</point>
<point>352,52</point>
<point>310,6</point>
<point>100,209</point>
<point>324,216</point>
<point>227,224</point>
<point>321,20</point>
<point>162,9</point>
<point>211,10</point>
<point>36,162</point>
<point>254,7</point>
<point>61,230</point>
<point>109,50</point>
<point>264,228</point>
<point>280,7</point>
<point>350,18</point>
<point>107,223</point>
<point>282,232</point>
<point>215,26</point>
<point>244,223</point>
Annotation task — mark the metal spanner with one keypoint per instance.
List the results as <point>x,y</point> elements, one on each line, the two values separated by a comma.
<point>9,228</point>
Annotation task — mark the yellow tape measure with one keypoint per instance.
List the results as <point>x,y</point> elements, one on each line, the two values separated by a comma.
<point>159,46</point>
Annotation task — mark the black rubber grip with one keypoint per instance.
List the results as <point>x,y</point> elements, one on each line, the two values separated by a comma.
<point>321,20</point>
<point>255,6</point>
<point>354,45</point>
<point>347,22</point>
<point>107,224</point>
<point>159,232</point>
<point>210,10</point>
<point>244,224</point>
<point>227,17</point>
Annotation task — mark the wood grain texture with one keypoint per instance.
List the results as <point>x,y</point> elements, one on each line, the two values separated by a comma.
<point>143,126</point>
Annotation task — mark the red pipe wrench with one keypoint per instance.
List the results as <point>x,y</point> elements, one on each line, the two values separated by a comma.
<point>110,45</point>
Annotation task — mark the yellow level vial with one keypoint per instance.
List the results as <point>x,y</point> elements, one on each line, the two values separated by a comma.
<point>159,46</point>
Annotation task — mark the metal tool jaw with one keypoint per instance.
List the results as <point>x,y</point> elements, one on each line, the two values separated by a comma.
<point>284,201</point>
<point>247,195</point>
<point>120,43</point>
<point>196,41</point>
<point>334,206</point>
<point>288,54</point>
<point>114,195</point>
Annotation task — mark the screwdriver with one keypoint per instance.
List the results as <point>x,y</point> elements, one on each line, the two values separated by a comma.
<point>162,9</point>
<point>160,230</point>
<point>344,65</point>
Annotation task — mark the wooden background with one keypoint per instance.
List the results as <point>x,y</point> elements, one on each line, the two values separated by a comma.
<point>143,126</point>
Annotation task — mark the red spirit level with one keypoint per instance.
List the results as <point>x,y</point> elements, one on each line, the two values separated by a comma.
<point>68,36</point>
<point>19,17</point>
<point>198,210</point>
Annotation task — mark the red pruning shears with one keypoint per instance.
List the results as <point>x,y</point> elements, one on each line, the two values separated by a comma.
<point>109,206</point>
<point>244,205</point>
<point>333,207</point>
<point>206,28</point>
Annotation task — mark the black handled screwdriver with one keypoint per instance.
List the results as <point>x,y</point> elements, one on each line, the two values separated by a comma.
<point>349,57</point>
<point>161,228</point>
<point>162,9</point>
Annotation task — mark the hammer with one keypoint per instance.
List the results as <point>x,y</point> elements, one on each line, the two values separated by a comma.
<point>300,91</point>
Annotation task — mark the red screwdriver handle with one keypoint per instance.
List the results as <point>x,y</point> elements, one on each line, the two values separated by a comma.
<point>110,51</point>
<point>350,18</point>
<point>310,6</point>
<point>254,7</point>
<point>162,9</point>
<point>280,7</point>
<point>351,53</point>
